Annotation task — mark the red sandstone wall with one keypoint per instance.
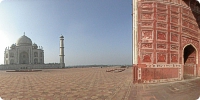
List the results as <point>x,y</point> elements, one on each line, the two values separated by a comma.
<point>159,73</point>
<point>165,28</point>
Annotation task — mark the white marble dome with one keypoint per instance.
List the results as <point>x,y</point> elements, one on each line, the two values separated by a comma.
<point>12,46</point>
<point>35,46</point>
<point>24,40</point>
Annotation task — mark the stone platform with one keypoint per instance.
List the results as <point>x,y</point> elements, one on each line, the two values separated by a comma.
<point>90,84</point>
<point>24,70</point>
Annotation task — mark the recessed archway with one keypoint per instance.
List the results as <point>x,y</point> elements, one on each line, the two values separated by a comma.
<point>24,58</point>
<point>190,61</point>
<point>35,61</point>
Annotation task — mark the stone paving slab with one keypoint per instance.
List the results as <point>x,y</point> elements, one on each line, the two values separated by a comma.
<point>66,84</point>
<point>179,90</point>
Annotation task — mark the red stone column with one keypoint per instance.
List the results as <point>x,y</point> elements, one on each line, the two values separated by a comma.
<point>135,74</point>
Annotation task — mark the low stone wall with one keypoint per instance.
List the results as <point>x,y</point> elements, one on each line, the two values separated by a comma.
<point>157,73</point>
<point>29,66</point>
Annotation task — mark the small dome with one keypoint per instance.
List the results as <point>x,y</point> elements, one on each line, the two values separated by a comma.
<point>12,46</point>
<point>61,36</point>
<point>35,46</point>
<point>24,40</point>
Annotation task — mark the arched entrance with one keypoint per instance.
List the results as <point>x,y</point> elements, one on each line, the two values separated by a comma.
<point>24,58</point>
<point>190,62</point>
<point>35,61</point>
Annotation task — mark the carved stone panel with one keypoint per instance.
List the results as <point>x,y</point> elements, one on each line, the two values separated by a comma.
<point>193,27</point>
<point>147,57</point>
<point>175,14</point>
<point>162,17</point>
<point>174,37</point>
<point>185,23</point>
<point>161,5</point>
<point>161,46</point>
<point>164,11</point>
<point>174,47</point>
<point>174,58</point>
<point>147,5</point>
<point>189,31</point>
<point>161,35</point>
<point>196,27</point>
<point>147,34</point>
<point>174,28</point>
<point>174,20</point>
<point>147,46</point>
<point>185,11</point>
<point>185,17</point>
<point>185,30</point>
<point>147,16</point>
<point>161,57</point>
<point>161,25</point>
<point>147,24</point>
<point>174,8</point>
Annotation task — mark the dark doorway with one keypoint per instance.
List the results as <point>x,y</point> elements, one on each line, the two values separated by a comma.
<point>189,52</point>
<point>24,58</point>
<point>189,62</point>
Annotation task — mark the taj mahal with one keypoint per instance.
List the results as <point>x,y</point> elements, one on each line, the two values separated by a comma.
<point>24,52</point>
<point>27,55</point>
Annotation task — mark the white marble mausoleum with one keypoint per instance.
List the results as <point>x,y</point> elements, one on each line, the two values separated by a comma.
<point>24,52</point>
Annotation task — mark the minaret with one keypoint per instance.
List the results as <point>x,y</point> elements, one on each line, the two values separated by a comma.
<point>62,63</point>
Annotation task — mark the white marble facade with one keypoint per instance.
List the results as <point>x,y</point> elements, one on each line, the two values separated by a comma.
<point>24,52</point>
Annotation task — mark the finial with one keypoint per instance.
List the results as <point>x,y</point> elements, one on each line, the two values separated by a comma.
<point>61,36</point>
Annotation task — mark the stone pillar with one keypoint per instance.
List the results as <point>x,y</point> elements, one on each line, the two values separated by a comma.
<point>134,41</point>
<point>134,33</point>
<point>62,63</point>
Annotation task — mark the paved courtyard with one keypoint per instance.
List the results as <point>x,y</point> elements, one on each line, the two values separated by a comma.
<point>90,84</point>
<point>66,84</point>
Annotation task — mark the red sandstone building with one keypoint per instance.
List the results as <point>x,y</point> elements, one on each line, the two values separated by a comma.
<point>166,40</point>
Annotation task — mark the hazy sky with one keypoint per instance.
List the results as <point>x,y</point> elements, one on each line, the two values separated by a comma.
<point>95,31</point>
